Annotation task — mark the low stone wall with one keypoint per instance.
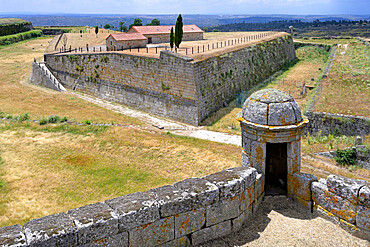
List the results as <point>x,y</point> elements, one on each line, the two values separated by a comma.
<point>345,202</point>
<point>186,213</point>
<point>329,123</point>
<point>38,77</point>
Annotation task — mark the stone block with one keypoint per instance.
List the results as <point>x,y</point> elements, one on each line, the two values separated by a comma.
<point>280,114</point>
<point>189,222</point>
<point>153,234</point>
<point>245,159</point>
<point>229,183</point>
<point>323,213</point>
<point>259,185</point>
<point>247,198</point>
<point>223,210</point>
<point>299,184</point>
<point>51,230</point>
<point>134,210</point>
<point>178,242</point>
<point>354,230</point>
<point>12,236</point>
<point>216,231</point>
<point>345,187</point>
<point>257,202</point>
<point>363,217</point>
<point>248,174</point>
<point>202,191</point>
<point>172,200</point>
<point>333,203</point>
<point>120,239</point>
<point>297,111</point>
<point>307,204</point>
<point>294,156</point>
<point>246,145</point>
<point>258,156</point>
<point>94,222</point>
<point>238,222</point>
<point>364,196</point>
<point>256,112</point>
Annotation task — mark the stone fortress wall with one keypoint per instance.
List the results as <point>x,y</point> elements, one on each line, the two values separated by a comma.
<point>172,86</point>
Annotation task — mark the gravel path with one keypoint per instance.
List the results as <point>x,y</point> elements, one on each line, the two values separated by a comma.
<point>281,222</point>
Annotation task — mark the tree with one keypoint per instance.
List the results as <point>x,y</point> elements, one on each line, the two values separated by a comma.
<point>155,22</point>
<point>172,38</point>
<point>64,41</point>
<point>137,22</point>
<point>96,31</point>
<point>178,31</point>
<point>291,29</point>
<point>106,26</point>
<point>122,27</point>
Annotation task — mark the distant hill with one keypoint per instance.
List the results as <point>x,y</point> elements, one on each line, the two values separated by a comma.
<point>200,20</point>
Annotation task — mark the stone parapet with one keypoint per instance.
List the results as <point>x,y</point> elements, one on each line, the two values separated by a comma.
<point>189,212</point>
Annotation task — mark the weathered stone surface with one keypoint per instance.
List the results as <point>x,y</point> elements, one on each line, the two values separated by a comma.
<point>245,159</point>
<point>248,174</point>
<point>246,145</point>
<point>134,210</point>
<point>294,156</point>
<point>306,203</point>
<point>120,240</point>
<point>255,112</point>
<point>322,212</point>
<point>364,196</point>
<point>172,200</point>
<point>297,111</point>
<point>354,230</point>
<point>280,114</point>
<point>189,222</point>
<point>345,187</point>
<point>299,184</point>
<point>257,202</point>
<point>259,185</point>
<point>247,197</point>
<point>238,222</point>
<point>223,210</point>
<point>94,222</point>
<point>12,236</point>
<point>51,230</point>
<point>269,96</point>
<point>258,156</point>
<point>203,192</point>
<point>178,242</point>
<point>363,217</point>
<point>154,233</point>
<point>209,233</point>
<point>229,183</point>
<point>333,203</point>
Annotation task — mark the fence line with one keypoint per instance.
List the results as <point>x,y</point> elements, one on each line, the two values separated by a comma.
<point>155,50</point>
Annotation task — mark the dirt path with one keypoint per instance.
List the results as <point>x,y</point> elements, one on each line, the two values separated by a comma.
<point>172,126</point>
<point>281,222</point>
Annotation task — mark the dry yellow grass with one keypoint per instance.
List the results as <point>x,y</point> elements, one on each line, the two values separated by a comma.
<point>48,171</point>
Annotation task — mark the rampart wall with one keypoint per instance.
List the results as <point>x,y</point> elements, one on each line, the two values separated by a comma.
<point>173,86</point>
<point>330,123</point>
<point>186,213</point>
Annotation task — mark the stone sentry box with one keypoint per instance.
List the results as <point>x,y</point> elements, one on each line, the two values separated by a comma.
<point>271,126</point>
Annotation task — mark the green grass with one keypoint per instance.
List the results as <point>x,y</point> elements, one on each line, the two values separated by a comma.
<point>14,38</point>
<point>11,20</point>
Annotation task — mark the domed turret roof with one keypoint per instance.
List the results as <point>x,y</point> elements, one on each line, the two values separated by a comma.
<point>271,107</point>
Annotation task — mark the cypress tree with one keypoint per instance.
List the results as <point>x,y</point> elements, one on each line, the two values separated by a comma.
<point>178,31</point>
<point>172,38</point>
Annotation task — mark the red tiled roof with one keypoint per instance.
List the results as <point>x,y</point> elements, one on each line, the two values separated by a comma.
<point>165,29</point>
<point>127,36</point>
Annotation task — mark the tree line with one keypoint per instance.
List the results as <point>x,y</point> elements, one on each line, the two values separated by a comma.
<point>123,28</point>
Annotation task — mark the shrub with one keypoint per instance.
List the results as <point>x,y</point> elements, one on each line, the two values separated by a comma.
<point>9,116</point>
<point>64,119</point>
<point>23,117</point>
<point>87,122</point>
<point>2,114</point>
<point>43,121</point>
<point>54,119</point>
<point>346,157</point>
<point>10,39</point>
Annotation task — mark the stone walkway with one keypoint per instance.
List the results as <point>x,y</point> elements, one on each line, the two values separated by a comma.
<point>281,222</point>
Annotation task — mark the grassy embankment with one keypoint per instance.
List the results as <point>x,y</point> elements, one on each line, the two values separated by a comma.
<point>55,167</point>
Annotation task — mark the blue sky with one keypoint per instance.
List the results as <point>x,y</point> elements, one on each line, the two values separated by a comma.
<point>299,7</point>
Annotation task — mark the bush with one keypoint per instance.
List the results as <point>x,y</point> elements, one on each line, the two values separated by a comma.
<point>64,119</point>
<point>10,39</point>
<point>54,119</point>
<point>346,157</point>
<point>43,121</point>
<point>23,117</point>
<point>9,116</point>
<point>87,122</point>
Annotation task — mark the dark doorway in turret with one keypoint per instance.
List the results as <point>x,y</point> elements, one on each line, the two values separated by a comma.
<point>276,172</point>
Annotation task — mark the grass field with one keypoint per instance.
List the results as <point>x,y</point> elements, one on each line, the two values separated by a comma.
<point>11,20</point>
<point>347,89</point>
<point>55,167</point>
